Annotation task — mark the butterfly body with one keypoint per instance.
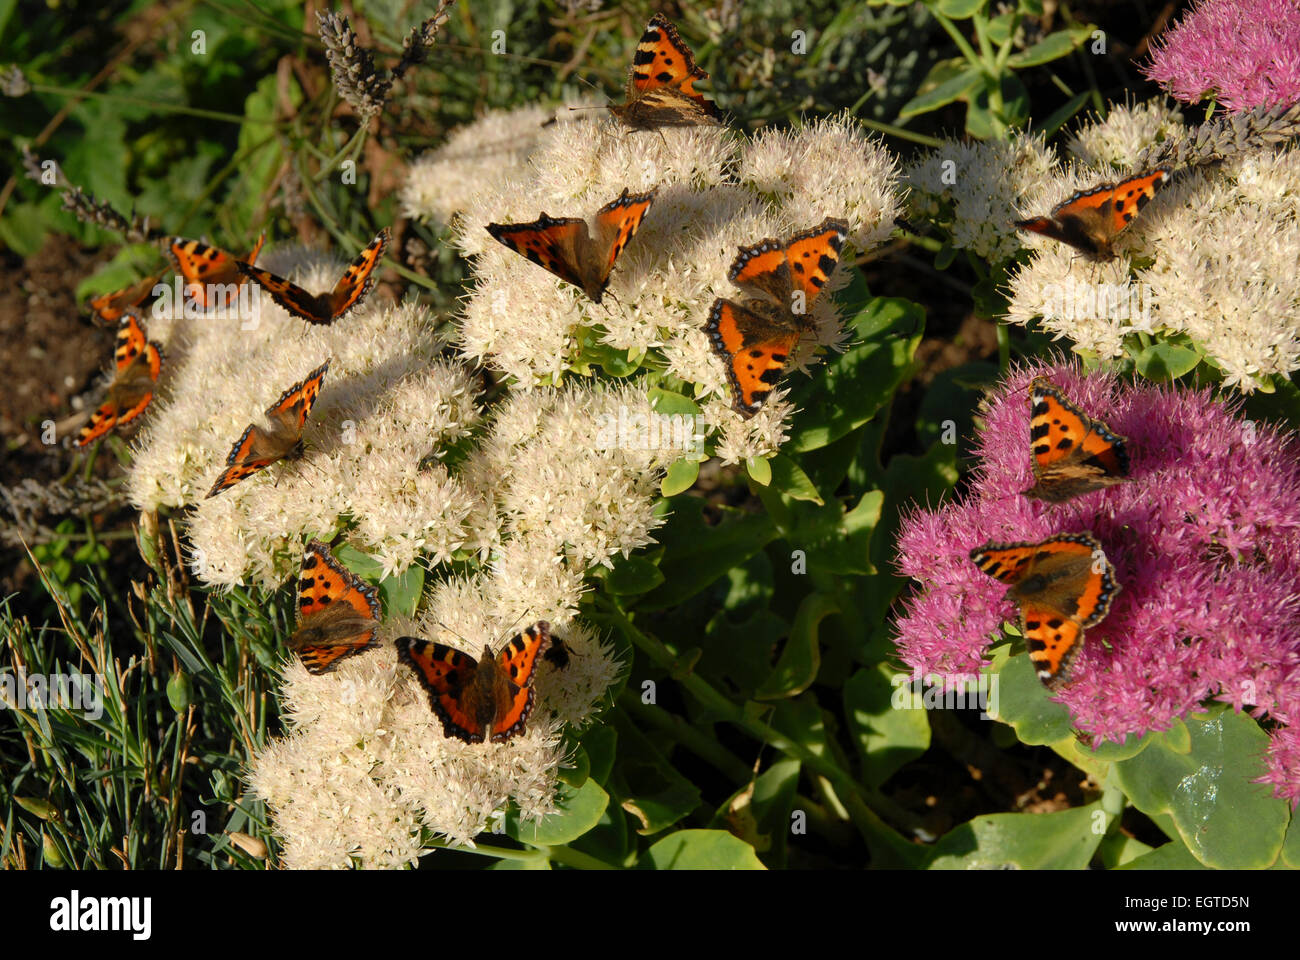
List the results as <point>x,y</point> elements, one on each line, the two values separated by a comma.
<point>351,289</point>
<point>212,276</point>
<point>1072,453</point>
<point>477,700</point>
<point>258,447</point>
<point>755,337</point>
<point>1090,220</point>
<point>337,611</point>
<point>578,253</point>
<point>1063,585</point>
<point>138,364</point>
<point>661,85</point>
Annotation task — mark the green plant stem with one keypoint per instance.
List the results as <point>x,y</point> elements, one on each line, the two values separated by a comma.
<point>950,28</point>
<point>901,132</point>
<point>879,837</point>
<point>265,21</point>
<point>158,105</point>
<point>348,151</point>
<point>1004,348</point>
<point>218,178</point>
<point>534,855</point>
<point>1004,52</point>
<point>704,747</point>
<point>343,236</point>
<point>576,858</point>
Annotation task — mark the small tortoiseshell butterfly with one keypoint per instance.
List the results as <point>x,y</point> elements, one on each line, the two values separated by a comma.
<point>337,611</point>
<point>567,248</point>
<point>755,337</point>
<point>349,292</point>
<point>476,700</point>
<point>661,86</point>
<point>1073,453</point>
<point>109,308</point>
<point>1063,585</point>
<point>257,448</point>
<point>207,270</point>
<point>1091,219</point>
<point>138,362</point>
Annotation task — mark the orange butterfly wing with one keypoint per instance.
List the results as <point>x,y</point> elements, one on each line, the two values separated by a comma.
<point>663,59</point>
<point>754,352</point>
<point>548,242</point>
<point>131,343</point>
<point>813,256</point>
<point>111,306</point>
<point>202,265</point>
<point>350,290</point>
<point>661,84</point>
<point>755,339</point>
<point>291,409</point>
<point>240,462</point>
<point>296,402</point>
<point>519,660</point>
<point>1073,453</point>
<point>617,223</point>
<point>1052,641</point>
<point>1063,585</point>
<point>323,582</point>
<point>1005,562</point>
<point>446,674</point>
<point>1091,219</point>
<point>357,280</point>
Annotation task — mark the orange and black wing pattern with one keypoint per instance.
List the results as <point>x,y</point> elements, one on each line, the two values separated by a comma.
<point>137,362</point>
<point>1090,220</point>
<point>349,292</point>
<point>1062,585</point>
<point>661,85</point>
<point>518,660</point>
<point>813,256</point>
<point>753,347</point>
<point>616,224</point>
<point>329,636</point>
<point>358,279</point>
<point>248,455</point>
<point>205,267</point>
<point>448,676</point>
<point>755,338</point>
<point>1072,453</point>
<point>110,307</point>
<point>479,700</point>
<point>549,242</point>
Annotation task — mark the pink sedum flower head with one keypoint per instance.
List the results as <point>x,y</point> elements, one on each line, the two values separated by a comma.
<point>1245,53</point>
<point>1204,537</point>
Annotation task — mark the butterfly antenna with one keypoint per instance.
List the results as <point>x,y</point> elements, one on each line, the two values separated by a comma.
<point>511,629</point>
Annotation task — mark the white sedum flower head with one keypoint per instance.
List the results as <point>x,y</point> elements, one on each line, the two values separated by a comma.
<point>716,192</point>
<point>386,402</point>
<point>981,188</point>
<point>1218,264</point>
<point>366,777</point>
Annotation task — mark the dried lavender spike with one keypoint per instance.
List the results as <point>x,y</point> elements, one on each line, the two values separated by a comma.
<point>351,66</point>
<point>1225,136</point>
<point>415,49</point>
<point>101,213</point>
